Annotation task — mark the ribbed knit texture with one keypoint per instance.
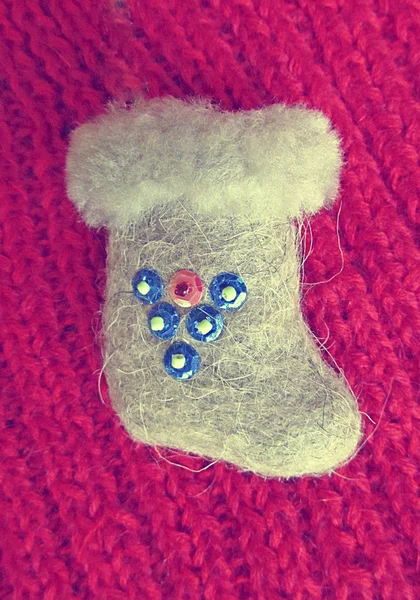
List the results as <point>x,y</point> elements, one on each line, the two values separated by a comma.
<point>84,511</point>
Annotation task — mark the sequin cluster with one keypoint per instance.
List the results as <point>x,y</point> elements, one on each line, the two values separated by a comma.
<point>204,322</point>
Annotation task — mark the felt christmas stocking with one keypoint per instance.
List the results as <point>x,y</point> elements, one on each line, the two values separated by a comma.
<point>205,346</point>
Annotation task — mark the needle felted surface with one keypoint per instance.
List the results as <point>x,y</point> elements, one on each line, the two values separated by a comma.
<point>279,161</point>
<point>85,511</point>
<point>186,185</point>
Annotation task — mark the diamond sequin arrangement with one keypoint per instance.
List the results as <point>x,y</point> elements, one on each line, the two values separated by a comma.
<point>204,322</point>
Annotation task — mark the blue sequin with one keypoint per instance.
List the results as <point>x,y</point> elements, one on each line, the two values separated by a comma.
<point>211,316</point>
<point>222,281</point>
<point>155,283</point>
<point>170,320</point>
<point>192,361</point>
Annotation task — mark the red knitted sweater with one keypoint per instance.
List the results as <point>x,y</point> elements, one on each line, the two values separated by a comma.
<point>84,511</point>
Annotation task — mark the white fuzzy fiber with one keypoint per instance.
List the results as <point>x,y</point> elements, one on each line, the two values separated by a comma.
<point>273,162</point>
<point>184,186</point>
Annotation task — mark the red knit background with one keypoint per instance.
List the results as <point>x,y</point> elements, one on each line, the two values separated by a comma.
<point>84,511</point>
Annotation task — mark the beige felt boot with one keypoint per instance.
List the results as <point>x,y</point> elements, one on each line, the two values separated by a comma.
<point>206,349</point>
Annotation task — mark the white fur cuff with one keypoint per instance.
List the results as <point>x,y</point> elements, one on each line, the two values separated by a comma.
<point>273,162</point>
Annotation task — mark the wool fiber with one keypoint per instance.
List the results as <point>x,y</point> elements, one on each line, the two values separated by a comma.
<point>185,186</point>
<point>274,162</point>
<point>263,398</point>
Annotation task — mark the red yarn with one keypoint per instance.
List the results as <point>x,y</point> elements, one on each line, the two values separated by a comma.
<point>84,511</point>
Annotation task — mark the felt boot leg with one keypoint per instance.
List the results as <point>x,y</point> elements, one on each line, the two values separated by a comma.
<point>262,398</point>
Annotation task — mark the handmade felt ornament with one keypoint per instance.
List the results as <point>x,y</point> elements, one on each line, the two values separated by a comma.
<point>205,347</point>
